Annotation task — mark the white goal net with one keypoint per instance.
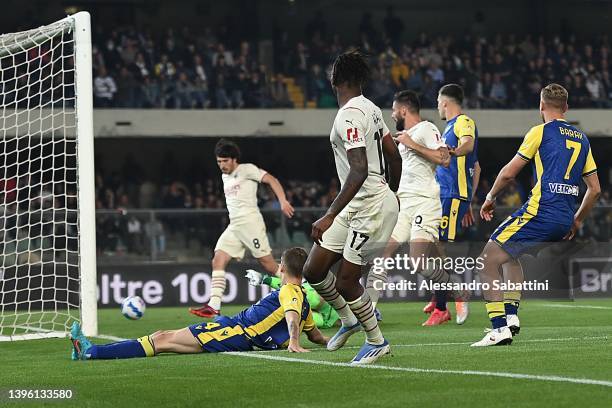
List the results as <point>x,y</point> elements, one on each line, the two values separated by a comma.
<point>47,219</point>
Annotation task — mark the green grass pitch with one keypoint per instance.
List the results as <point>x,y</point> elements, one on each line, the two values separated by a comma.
<point>570,340</point>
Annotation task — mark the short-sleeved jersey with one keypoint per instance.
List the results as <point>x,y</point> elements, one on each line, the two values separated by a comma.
<point>418,173</point>
<point>456,180</point>
<point>359,123</point>
<point>264,322</point>
<point>560,155</point>
<point>240,188</point>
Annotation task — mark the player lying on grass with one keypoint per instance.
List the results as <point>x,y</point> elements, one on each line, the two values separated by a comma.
<point>562,158</point>
<point>323,314</point>
<point>274,322</point>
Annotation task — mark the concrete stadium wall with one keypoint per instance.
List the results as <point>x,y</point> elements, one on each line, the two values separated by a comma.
<point>272,122</point>
<point>314,123</point>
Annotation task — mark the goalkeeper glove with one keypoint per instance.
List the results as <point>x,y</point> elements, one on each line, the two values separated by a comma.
<point>255,278</point>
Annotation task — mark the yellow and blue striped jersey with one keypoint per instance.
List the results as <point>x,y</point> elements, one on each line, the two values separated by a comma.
<point>561,155</point>
<point>456,180</point>
<point>264,322</point>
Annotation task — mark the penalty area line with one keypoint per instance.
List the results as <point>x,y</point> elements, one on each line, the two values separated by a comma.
<point>557,339</point>
<point>467,343</point>
<point>576,306</point>
<point>519,376</point>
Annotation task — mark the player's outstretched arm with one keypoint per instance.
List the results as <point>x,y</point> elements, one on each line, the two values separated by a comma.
<point>358,173</point>
<point>588,201</point>
<point>505,176</point>
<point>439,156</point>
<point>393,157</point>
<point>293,324</point>
<point>315,336</point>
<point>279,192</point>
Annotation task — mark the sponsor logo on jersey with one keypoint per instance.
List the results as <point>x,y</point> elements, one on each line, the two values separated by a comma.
<point>560,188</point>
<point>232,190</point>
<point>377,119</point>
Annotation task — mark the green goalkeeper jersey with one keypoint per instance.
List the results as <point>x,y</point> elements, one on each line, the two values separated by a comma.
<point>323,314</point>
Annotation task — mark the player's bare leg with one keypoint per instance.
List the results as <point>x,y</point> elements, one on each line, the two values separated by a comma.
<point>317,273</point>
<point>211,309</point>
<point>171,341</point>
<point>493,258</point>
<point>175,341</point>
<point>269,264</point>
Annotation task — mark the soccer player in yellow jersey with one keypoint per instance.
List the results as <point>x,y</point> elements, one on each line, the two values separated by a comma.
<point>275,322</point>
<point>458,183</point>
<point>562,157</point>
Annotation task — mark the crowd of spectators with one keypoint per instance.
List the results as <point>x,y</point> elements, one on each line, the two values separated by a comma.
<point>140,232</point>
<point>184,69</point>
<point>147,232</point>
<point>37,217</point>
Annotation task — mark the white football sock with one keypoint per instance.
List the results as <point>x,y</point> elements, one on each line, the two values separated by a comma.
<point>218,287</point>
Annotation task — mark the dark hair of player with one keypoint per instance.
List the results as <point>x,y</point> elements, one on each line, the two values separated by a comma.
<point>350,68</point>
<point>453,91</point>
<point>227,148</point>
<point>555,96</point>
<point>409,99</point>
<point>294,260</point>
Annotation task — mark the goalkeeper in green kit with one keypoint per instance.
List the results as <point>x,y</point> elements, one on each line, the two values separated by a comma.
<point>323,314</point>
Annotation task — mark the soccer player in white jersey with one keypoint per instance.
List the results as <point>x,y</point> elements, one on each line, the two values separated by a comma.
<point>422,150</point>
<point>359,221</point>
<point>246,229</point>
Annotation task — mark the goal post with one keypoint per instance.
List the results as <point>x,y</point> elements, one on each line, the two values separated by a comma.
<point>86,173</point>
<point>47,190</point>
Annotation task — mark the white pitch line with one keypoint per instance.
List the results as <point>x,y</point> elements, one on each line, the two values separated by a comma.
<point>428,370</point>
<point>578,306</point>
<point>558,339</point>
<point>519,340</point>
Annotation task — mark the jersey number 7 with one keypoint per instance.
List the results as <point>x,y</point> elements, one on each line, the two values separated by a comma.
<point>575,148</point>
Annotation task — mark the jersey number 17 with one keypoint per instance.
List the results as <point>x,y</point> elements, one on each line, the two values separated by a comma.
<point>378,136</point>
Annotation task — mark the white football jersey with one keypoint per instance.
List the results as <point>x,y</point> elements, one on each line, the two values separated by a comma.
<point>418,173</point>
<point>359,123</point>
<point>240,188</point>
